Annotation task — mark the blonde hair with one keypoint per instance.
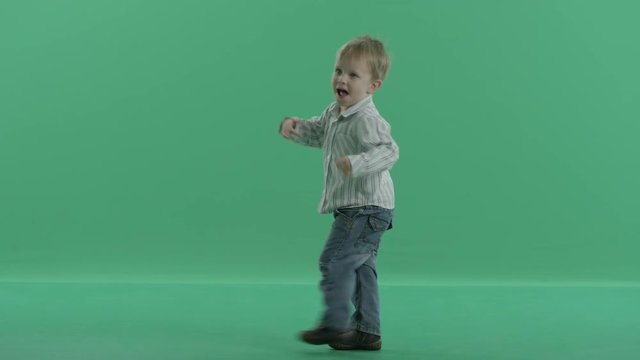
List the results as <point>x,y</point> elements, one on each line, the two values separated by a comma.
<point>371,49</point>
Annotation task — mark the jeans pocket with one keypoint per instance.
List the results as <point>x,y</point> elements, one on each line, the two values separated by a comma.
<point>347,213</point>
<point>370,238</point>
<point>378,224</point>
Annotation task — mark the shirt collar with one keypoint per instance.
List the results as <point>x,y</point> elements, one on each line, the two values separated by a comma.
<point>353,109</point>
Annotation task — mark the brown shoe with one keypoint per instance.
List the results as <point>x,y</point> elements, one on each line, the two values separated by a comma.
<point>357,340</point>
<point>320,336</point>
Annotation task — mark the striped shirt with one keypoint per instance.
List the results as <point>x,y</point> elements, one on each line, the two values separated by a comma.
<point>365,137</point>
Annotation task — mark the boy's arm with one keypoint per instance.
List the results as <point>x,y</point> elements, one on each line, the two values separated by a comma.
<point>310,132</point>
<point>382,151</point>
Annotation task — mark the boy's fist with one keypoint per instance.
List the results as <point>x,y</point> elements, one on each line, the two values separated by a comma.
<point>288,127</point>
<point>344,164</point>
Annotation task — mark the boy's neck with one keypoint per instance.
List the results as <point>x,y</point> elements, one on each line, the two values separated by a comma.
<point>342,109</point>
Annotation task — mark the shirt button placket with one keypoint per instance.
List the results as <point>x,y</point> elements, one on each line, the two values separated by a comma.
<point>327,162</point>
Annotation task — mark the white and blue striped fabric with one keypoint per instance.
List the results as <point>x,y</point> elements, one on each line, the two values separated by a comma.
<point>365,137</point>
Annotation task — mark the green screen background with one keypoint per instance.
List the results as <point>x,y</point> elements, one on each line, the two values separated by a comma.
<point>138,139</point>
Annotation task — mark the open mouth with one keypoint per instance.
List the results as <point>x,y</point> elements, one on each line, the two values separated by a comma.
<point>342,92</point>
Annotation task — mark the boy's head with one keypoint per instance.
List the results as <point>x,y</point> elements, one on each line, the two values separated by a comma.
<point>361,67</point>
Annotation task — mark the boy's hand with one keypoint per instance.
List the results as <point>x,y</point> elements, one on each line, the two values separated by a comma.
<point>344,164</point>
<point>288,127</point>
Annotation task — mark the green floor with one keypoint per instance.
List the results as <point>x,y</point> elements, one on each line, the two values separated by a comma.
<point>208,321</point>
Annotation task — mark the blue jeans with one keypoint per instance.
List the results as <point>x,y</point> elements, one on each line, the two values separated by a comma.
<point>348,267</point>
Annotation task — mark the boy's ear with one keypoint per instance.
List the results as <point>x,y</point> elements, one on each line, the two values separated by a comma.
<point>375,86</point>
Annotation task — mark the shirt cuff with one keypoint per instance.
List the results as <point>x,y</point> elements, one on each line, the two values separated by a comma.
<point>358,164</point>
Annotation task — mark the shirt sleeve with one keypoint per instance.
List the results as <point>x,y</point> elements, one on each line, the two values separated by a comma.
<point>312,131</point>
<point>381,152</point>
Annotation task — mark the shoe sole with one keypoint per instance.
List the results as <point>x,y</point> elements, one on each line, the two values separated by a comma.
<point>375,346</point>
<point>317,341</point>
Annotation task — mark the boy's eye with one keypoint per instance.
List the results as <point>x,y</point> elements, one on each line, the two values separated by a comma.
<point>354,75</point>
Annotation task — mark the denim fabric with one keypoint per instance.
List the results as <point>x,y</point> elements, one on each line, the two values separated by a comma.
<point>348,267</point>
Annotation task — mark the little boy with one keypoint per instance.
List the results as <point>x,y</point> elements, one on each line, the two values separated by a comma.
<point>358,154</point>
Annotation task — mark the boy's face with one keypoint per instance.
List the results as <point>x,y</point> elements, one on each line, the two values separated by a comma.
<point>352,82</point>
